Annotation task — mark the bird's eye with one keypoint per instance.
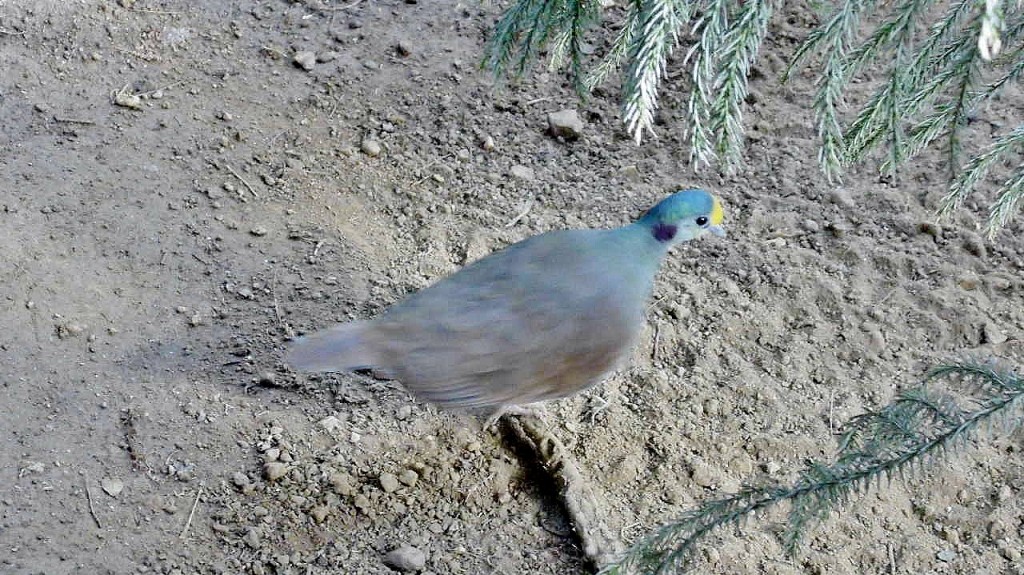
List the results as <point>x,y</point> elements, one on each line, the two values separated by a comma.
<point>702,221</point>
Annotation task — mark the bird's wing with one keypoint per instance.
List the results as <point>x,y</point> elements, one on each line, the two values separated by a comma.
<point>536,321</point>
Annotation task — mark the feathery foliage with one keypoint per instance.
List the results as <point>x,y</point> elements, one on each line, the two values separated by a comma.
<point>729,34</point>
<point>938,72</point>
<point>940,69</point>
<point>918,426</point>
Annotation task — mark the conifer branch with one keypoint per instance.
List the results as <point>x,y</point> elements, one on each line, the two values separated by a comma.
<point>920,425</point>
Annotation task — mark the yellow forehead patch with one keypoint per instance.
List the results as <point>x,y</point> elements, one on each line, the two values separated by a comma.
<point>717,215</point>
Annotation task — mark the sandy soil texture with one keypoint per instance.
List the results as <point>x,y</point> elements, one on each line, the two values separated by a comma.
<point>180,195</point>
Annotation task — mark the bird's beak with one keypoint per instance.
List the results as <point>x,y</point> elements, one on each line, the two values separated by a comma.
<point>717,230</point>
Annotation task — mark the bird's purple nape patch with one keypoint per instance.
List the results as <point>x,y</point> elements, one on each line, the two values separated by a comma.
<point>664,232</point>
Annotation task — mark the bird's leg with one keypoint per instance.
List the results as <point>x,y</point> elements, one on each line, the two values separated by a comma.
<point>597,409</point>
<point>529,410</point>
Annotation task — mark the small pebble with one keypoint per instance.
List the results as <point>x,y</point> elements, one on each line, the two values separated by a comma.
<point>388,482</point>
<point>320,513</point>
<point>487,143</point>
<point>974,244</point>
<point>370,147</point>
<point>252,538</point>
<point>342,483</point>
<point>841,199</point>
<point>330,423</point>
<point>520,172</point>
<point>409,477</point>
<point>702,475</point>
<point>946,555</point>
<point>112,486</point>
<point>239,479</point>
<point>275,470</point>
<point>403,48</point>
<point>929,228</point>
<point>565,124</point>
<point>403,412</point>
<point>305,60</point>
<point>406,558</point>
<point>990,333</point>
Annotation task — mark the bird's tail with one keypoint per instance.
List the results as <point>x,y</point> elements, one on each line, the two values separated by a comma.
<point>340,348</point>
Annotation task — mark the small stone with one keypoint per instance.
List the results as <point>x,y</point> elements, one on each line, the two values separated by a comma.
<point>403,412</point>
<point>112,486</point>
<point>974,244</point>
<point>258,232</point>
<point>362,503</point>
<point>771,468</point>
<point>328,56</point>
<point>929,228</point>
<point>330,423</point>
<point>272,454</point>
<point>841,199</point>
<point>990,333</point>
<point>968,282</point>
<point>305,59</point>
<point>403,48</point>
<point>1010,553</point>
<point>946,555</point>
<point>406,558</point>
<point>565,124</point>
<point>371,65</point>
<point>520,172</point>
<point>239,479</point>
<point>409,477</point>
<point>487,143</point>
<point>342,483</point>
<point>252,538</point>
<point>275,470</point>
<point>370,147</point>
<point>702,475</point>
<point>320,513</point>
<point>810,226</point>
<point>631,173</point>
<point>388,482</point>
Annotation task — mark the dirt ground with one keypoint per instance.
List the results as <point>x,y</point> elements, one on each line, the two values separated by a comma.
<point>157,253</point>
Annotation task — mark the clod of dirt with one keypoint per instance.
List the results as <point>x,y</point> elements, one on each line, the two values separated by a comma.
<point>406,558</point>
<point>565,124</point>
<point>305,60</point>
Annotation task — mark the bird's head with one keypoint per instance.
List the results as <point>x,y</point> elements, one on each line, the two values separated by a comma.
<point>683,216</point>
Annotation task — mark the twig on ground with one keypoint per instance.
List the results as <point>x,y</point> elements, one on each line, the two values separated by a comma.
<point>88,497</point>
<point>61,120</point>
<point>191,514</point>
<point>241,179</point>
<point>599,545</point>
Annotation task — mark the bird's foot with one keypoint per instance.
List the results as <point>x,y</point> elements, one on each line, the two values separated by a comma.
<point>491,424</point>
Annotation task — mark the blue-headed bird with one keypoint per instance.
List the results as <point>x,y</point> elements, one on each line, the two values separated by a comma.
<point>541,319</point>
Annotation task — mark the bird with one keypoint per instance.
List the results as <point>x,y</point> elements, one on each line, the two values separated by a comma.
<point>542,319</point>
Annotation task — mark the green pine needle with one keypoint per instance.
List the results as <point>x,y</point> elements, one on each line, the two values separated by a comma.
<point>928,65</point>
<point>920,425</point>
